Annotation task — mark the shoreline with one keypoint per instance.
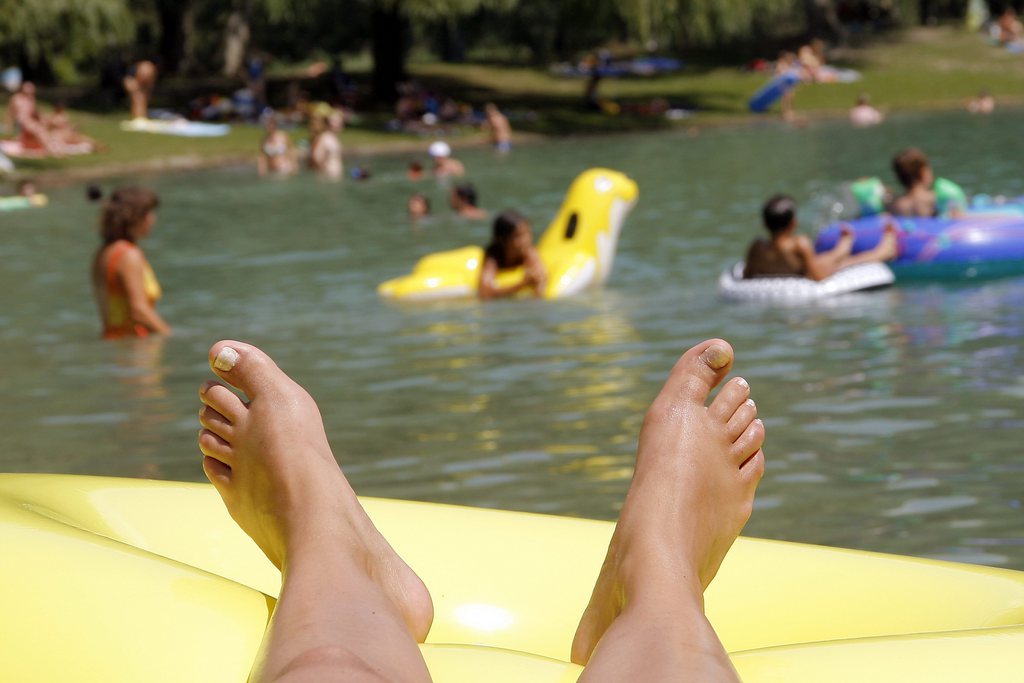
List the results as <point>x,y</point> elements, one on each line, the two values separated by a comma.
<point>194,162</point>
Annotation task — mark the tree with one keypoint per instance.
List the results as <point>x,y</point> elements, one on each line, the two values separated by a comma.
<point>34,32</point>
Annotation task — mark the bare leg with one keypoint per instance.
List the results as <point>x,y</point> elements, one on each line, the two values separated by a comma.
<point>350,609</point>
<point>886,249</point>
<point>692,492</point>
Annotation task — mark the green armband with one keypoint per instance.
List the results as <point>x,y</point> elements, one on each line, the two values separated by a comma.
<point>869,193</point>
<point>948,197</point>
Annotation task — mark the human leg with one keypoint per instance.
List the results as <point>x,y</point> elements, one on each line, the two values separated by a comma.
<point>692,491</point>
<point>886,249</point>
<point>350,609</point>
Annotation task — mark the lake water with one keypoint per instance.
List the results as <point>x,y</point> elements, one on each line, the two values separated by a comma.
<point>894,420</point>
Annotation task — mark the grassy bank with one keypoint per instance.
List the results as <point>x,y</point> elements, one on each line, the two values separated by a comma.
<point>917,69</point>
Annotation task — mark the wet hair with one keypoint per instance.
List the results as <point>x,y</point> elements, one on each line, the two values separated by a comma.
<point>124,211</point>
<point>26,184</point>
<point>466,192</point>
<point>778,213</point>
<point>502,231</point>
<point>415,166</point>
<point>908,165</point>
<point>94,193</point>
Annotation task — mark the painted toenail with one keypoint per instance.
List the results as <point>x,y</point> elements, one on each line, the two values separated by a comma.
<point>226,359</point>
<point>717,357</point>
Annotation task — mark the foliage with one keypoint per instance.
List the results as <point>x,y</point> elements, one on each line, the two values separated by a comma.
<point>78,30</point>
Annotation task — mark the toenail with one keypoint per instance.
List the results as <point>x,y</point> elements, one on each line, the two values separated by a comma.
<point>750,402</point>
<point>226,359</point>
<point>717,357</point>
<point>740,382</point>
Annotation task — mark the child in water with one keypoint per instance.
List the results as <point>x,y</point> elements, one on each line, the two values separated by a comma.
<point>787,253</point>
<point>463,201</point>
<point>919,199</point>
<point>511,247</point>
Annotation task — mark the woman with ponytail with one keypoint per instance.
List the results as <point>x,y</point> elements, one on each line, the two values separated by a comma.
<point>125,286</point>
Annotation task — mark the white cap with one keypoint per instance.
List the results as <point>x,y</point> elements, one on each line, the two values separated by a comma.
<point>440,149</point>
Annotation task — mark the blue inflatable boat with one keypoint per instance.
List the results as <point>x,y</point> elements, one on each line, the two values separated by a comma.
<point>987,242</point>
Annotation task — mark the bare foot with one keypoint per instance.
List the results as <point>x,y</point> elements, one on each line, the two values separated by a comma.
<point>888,247</point>
<point>692,492</point>
<point>270,461</point>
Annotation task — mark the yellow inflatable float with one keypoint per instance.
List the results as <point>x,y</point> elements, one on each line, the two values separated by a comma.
<point>578,247</point>
<point>125,580</point>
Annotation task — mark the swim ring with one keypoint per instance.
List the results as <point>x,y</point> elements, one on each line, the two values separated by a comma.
<point>859,278</point>
<point>578,247</point>
<point>986,242</point>
<point>16,202</point>
<point>119,580</point>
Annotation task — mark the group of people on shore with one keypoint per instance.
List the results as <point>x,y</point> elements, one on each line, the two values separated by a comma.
<point>42,134</point>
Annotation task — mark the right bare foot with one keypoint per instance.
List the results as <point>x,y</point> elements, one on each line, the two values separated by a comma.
<point>692,491</point>
<point>888,247</point>
<point>270,461</point>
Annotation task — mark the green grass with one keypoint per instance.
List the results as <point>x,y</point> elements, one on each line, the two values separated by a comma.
<point>917,69</point>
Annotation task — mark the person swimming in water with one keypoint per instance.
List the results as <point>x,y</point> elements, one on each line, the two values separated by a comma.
<point>351,609</point>
<point>126,288</point>
<point>787,253</point>
<point>277,155</point>
<point>463,200</point>
<point>445,165</point>
<point>915,173</point>
<point>511,247</point>
<point>418,206</point>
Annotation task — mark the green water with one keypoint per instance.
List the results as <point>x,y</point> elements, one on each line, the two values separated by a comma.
<point>894,421</point>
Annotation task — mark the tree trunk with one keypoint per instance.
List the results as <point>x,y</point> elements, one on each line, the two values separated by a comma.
<point>453,47</point>
<point>172,14</point>
<point>823,21</point>
<point>388,27</point>
<point>236,42</point>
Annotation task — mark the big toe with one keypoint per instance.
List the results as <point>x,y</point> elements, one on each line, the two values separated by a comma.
<point>699,370</point>
<point>245,367</point>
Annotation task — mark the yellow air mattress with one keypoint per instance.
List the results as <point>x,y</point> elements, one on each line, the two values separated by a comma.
<point>126,580</point>
<point>578,247</point>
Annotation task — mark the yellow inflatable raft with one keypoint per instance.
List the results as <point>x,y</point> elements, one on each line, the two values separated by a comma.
<point>126,580</point>
<point>577,248</point>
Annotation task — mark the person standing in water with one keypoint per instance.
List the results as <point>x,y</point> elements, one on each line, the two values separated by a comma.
<point>324,146</point>
<point>498,128</point>
<point>277,154</point>
<point>126,288</point>
<point>445,165</point>
<point>511,247</point>
<point>351,609</point>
